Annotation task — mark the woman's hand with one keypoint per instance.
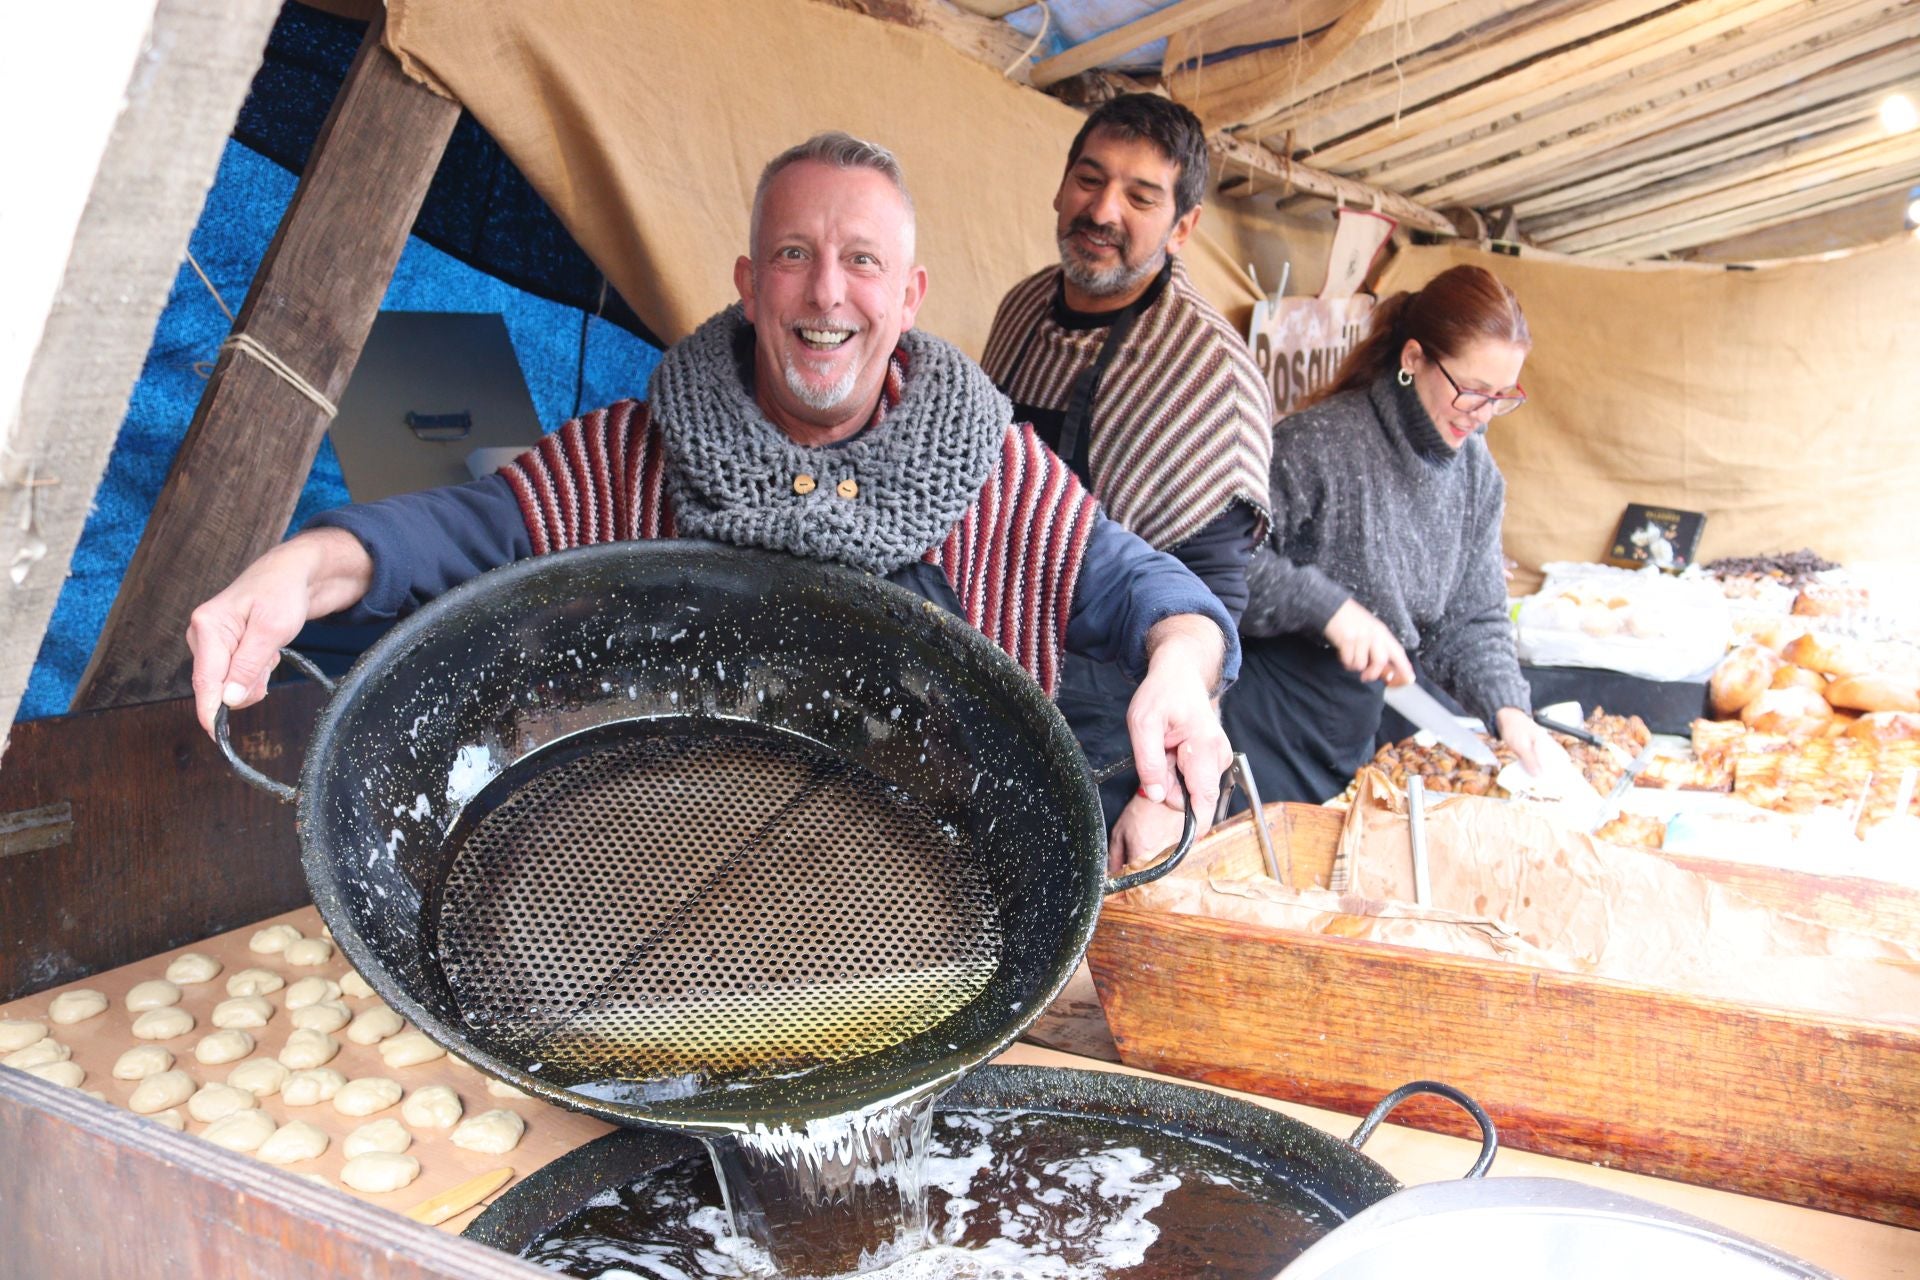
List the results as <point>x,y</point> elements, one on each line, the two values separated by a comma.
<point>1534,745</point>
<point>1366,647</point>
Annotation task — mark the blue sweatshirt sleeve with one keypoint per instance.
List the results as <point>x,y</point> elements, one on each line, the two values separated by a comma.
<point>1125,586</point>
<point>429,542</point>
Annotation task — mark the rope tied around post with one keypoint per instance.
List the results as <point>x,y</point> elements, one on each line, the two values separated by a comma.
<point>244,344</point>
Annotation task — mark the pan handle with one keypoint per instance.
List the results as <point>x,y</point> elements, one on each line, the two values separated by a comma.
<point>1489,1139</point>
<point>1166,861</point>
<point>222,735</point>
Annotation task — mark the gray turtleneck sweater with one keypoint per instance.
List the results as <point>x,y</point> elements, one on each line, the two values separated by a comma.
<point>1370,504</point>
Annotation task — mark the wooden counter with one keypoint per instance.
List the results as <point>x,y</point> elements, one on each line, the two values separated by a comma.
<point>132,817</point>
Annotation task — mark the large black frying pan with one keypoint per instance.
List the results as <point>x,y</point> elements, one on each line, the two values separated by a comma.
<point>1299,1163</point>
<point>686,835</point>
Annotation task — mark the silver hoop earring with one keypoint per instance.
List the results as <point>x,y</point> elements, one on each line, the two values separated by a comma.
<point>1404,377</point>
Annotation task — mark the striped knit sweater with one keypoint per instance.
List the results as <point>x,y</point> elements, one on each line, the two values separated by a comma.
<point>1183,422</point>
<point>1013,559</point>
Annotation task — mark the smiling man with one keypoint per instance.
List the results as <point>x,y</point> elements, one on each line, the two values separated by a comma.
<point>811,418</point>
<point>1146,390</point>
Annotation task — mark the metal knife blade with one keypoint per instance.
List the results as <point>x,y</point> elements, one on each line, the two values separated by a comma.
<point>1419,706</point>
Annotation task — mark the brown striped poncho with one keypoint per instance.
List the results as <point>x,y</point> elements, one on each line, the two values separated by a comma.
<point>1183,423</point>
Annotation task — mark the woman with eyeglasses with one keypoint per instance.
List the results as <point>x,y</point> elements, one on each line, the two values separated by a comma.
<point>1386,543</point>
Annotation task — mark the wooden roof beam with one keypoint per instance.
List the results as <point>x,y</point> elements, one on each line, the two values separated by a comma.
<point>1574,158</point>
<point>1746,222</point>
<point>1256,161</point>
<point>1727,145</point>
<point>1230,93</point>
<point>246,455</point>
<point>986,40</point>
<point>1513,96</point>
<point>1089,54</point>
<point>1734,172</point>
<point>1390,71</point>
<point>1741,218</point>
<point>1865,45</point>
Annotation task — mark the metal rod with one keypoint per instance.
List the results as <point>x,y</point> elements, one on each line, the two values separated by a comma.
<point>1417,833</point>
<point>1243,774</point>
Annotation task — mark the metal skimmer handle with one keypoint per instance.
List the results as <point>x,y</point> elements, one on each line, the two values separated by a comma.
<point>1489,1139</point>
<point>1166,861</point>
<point>223,736</point>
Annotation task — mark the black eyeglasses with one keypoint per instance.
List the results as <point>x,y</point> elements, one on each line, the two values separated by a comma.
<point>1474,401</point>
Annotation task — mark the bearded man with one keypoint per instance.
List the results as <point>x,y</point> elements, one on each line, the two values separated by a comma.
<point>1145,390</point>
<point>809,418</point>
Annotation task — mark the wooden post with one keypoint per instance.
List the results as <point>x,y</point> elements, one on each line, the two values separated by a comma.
<point>245,458</point>
<point>156,155</point>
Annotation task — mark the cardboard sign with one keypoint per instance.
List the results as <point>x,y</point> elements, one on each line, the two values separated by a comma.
<point>1299,342</point>
<point>1659,536</point>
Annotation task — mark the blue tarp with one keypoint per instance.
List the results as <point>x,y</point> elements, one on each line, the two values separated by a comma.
<point>479,208</point>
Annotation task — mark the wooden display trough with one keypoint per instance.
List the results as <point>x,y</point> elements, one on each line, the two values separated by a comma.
<point>123,834</point>
<point>1787,1105</point>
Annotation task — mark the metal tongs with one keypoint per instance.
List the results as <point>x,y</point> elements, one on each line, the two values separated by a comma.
<point>1588,736</point>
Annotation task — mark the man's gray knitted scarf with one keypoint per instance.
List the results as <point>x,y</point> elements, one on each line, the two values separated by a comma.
<point>917,468</point>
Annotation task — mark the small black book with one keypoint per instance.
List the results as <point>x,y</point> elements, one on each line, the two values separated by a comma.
<point>1660,536</point>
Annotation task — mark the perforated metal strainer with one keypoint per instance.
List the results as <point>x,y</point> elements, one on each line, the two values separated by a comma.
<point>687,835</point>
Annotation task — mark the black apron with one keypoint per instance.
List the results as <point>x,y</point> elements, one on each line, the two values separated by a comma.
<point>1305,722</point>
<point>1093,696</point>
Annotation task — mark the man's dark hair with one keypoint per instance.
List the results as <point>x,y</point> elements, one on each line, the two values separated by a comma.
<point>1169,126</point>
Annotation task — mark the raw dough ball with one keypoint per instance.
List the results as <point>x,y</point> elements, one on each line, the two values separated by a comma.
<point>434,1107</point>
<point>156,993</point>
<point>377,1135</point>
<point>215,1100</point>
<point>18,1033</point>
<point>304,1088</point>
<point>171,1118</point>
<point>69,1074</point>
<point>163,1024</point>
<point>409,1050</point>
<point>249,1013</point>
<point>240,1131</point>
<point>273,939</point>
<point>158,1092</point>
<point>76,1006</point>
<point>255,982</point>
<point>260,1077</point>
<point>37,1054</point>
<point>311,991</point>
<point>141,1061</point>
<point>380,1171</point>
<point>492,1133</point>
<point>294,1141</point>
<point>374,1024</point>
<point>230,1045</point>
<point>501,1089</point>
<point>366,1095</point>
<point>328,1016</point>
<point>307,952</point>
<point>307,1048</point>
<point>354,985</point>
<point>190,968</point>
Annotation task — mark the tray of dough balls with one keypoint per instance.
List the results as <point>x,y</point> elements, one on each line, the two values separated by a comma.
<point>264,1041</point>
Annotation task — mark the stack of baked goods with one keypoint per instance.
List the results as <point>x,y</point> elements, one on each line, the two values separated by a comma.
<point>1443,770</point>
<point>1822,721</point>
<point>1814,686</point>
